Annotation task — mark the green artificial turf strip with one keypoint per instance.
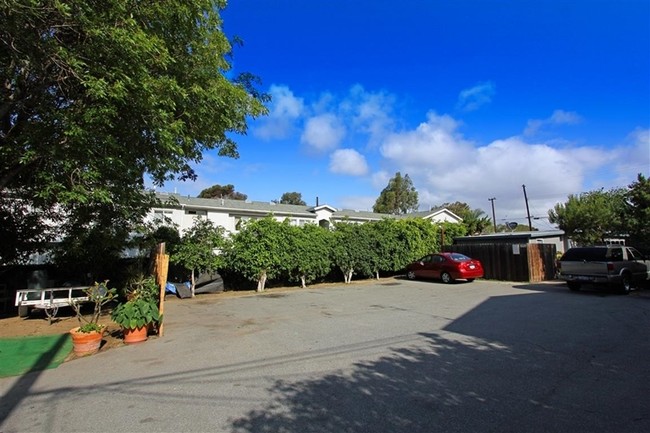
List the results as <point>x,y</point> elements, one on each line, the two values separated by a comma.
<point>20,355</point>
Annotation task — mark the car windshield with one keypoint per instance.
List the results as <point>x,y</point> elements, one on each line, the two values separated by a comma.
<point>457,257</point>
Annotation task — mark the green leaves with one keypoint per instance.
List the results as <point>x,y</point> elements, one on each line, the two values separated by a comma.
<point>589,218</point>
<point>199,249</point>
<point>136,313</point>
<point>261,250</point>
<point>98,95</point>
<point>399,197</point>
<point>638,210</point>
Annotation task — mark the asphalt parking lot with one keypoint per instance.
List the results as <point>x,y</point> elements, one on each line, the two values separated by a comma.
<point>388,356</point>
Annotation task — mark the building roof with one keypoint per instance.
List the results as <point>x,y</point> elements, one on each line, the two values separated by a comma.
<point>265,208</point>
<point>513,235</point>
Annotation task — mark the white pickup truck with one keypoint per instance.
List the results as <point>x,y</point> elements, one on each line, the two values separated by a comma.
<point>613,264</point>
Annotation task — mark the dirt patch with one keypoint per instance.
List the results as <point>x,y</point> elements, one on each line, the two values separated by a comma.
<point>37,323</point>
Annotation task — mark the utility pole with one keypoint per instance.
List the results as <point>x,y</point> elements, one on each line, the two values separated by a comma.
<point>494,219</point>
<point>530,223</point>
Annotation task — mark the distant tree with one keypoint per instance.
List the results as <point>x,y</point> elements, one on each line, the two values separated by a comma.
<point>399,197</point>
<point>199,248</point>
<point>225,191</point>
<point>96,97</point>
<point>474,220</point>
<point>292,198</point>
<point>591,217</point>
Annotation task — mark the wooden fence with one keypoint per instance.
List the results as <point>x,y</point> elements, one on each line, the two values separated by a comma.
<point>512,262</point>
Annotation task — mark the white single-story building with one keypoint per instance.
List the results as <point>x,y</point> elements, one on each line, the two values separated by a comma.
<point>181,211</point>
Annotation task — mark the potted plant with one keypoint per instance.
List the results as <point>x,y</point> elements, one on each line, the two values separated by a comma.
<point>139,311</point>
<point>87,337</point>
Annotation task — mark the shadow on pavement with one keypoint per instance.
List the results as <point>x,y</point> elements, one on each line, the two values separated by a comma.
<point>509,372</point>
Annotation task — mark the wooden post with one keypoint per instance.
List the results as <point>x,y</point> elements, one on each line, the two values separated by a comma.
<point>161,269</point>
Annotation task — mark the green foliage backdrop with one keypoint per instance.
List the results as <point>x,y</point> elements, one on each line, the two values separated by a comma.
<point>97,95</point>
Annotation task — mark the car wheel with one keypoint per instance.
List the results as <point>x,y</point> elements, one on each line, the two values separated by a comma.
<point>410,275</point>
<point>573,285</point>
<point>626,284</point>
<point>446,278</point>
<point>469,280</point>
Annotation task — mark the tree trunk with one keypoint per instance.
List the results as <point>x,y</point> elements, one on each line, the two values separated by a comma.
<point>303,283</point>
<point>193,295</point>
<point>348,276</point>
<point>261,282</point>
<point>377,274</point>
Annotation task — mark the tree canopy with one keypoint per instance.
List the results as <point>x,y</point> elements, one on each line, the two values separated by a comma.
<point>474,220</point>
<point>638,211</point>
<point>225,191</point>
<point>399,197</point>
<point>591,217</point>
<point>96,96</point>
<point>292,198</point>
<point>200,248</point>
<point>261,250</point>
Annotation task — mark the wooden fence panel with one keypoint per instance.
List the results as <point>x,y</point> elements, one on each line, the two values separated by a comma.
<point>508,262</point>
<point>541,262</point>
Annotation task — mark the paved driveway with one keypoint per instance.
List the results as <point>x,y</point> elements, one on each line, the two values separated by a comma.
<point>389,357</point>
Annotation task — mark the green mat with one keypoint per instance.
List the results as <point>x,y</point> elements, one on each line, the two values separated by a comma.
<point>20,355</point>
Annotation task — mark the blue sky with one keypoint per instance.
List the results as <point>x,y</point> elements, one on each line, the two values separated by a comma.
<point>471,99</point>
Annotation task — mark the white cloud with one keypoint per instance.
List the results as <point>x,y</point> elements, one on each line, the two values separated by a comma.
<point>323,132</point>
<point>434,143</point>
<point>380,179</point>
<point>284,111</point>
<point>370,112</point>
<point>446,167</point>
<point>632,158</point>
<point>640,152</point>
<point>473,98</point>
<point>559,117</point>
<point>349,162</point>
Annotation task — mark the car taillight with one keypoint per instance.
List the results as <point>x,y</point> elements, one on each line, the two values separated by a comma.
<point>610,267</point>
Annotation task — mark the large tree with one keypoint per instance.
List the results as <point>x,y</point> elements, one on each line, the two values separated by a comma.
<point>222,191</point>
<point>591,217</point>
<point>96,96</point>
<point>399,197</point>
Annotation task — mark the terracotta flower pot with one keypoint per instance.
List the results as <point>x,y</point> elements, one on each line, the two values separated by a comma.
<point>85,343</point>
<point>138,335</point>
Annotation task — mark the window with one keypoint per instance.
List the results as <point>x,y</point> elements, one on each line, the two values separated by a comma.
<point>438,259</point>
<point>161,215</point>
<point>634,254</point>
<point>196,212</point>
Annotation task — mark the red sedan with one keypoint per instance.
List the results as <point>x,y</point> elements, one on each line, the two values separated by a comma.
<point>446,267</point>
